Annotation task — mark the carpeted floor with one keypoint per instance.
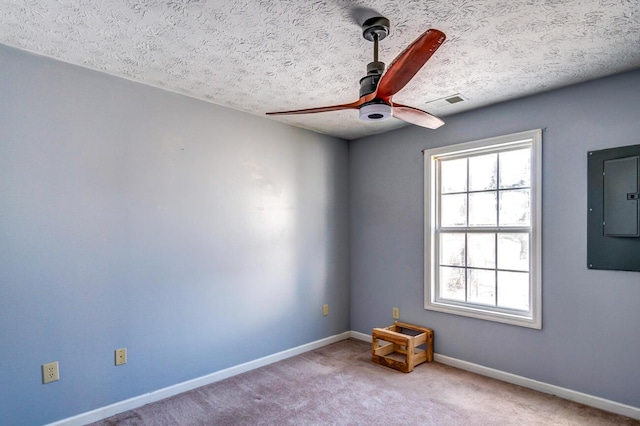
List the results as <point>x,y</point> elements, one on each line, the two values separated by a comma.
<point>339,385</point>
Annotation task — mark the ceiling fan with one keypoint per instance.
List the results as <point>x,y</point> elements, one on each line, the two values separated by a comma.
<point>378,87</point>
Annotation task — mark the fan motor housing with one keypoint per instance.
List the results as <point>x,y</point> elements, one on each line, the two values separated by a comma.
<point>368,84</point>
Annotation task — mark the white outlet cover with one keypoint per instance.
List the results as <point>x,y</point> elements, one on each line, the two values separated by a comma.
<point>50,372</point>
<point>121,356</point>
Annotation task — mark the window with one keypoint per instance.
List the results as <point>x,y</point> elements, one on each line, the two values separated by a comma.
<point>482,229</point>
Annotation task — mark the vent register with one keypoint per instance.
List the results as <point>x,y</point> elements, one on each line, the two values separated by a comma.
<point>447,101</point>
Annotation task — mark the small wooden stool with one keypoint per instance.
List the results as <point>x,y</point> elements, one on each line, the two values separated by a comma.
<point>402,352</point>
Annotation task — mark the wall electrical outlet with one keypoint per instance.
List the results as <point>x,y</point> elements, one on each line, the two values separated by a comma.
<point>121,356</point>
<point>325,310</point>
<point>50,372</point>
<point>395,313</point>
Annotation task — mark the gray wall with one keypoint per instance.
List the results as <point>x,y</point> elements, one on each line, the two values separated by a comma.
<point>195,236</point>
<point>590,339</point>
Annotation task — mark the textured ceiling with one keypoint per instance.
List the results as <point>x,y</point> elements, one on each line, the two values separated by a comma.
<point>269,55</point>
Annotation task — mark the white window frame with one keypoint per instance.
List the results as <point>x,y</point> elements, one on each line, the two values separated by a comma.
<point>532,318</point>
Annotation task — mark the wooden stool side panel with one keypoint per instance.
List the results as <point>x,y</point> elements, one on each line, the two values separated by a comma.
<point>430,346</point>
<point>392,363</point>
<point>411,354</point>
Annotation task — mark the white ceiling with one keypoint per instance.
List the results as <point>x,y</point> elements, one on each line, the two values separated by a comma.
<point>270,55</point>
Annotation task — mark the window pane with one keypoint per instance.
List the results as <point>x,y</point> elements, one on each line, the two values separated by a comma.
<point>453,175</point>
<point>482,209</point>
<point>453,210</point>
<point>513,290</point>
<point>481,250</point>
<point>482,287</point>
<point>513,251</point>
<point>452,249</point>
<point>483,172</point>
<point>514,207</point>
<point>452,283</point>
<point>515,168</point>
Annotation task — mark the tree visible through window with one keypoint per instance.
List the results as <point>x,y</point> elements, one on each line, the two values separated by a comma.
<point>482,229</point>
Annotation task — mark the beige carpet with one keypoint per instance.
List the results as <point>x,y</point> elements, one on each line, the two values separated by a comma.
<point>338,385</point>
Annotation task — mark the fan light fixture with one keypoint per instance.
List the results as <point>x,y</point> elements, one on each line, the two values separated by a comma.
<point>375,112</point>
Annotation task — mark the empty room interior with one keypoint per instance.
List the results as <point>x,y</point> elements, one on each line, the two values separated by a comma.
<point>150,201</point>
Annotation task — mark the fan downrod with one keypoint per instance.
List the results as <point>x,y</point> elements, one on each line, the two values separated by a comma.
<point>374,29</point>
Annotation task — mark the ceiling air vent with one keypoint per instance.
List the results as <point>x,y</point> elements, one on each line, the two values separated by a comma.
<point>447,101</point>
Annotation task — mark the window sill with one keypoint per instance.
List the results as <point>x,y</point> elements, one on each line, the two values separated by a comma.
<point>505,318</point>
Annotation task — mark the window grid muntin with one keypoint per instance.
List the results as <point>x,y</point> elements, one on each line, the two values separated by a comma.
<point>466,267</point>
<point>489,229</point>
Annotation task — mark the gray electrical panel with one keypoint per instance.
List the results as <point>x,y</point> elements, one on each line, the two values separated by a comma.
<point>613,234</point>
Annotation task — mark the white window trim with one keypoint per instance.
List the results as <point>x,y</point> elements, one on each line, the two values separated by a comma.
<point>534,317</point>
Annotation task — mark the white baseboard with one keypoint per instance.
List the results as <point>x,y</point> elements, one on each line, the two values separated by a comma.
<point>571,395</point>
<point>139,401</point>
<point>582,398</point>
<point>361,336</point>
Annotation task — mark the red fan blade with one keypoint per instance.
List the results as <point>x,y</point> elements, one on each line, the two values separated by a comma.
<point>352,105</point>
<point>416,116</point>
<point>408,63</point>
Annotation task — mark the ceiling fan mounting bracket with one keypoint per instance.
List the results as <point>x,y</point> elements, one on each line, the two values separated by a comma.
<point>375,28</point>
